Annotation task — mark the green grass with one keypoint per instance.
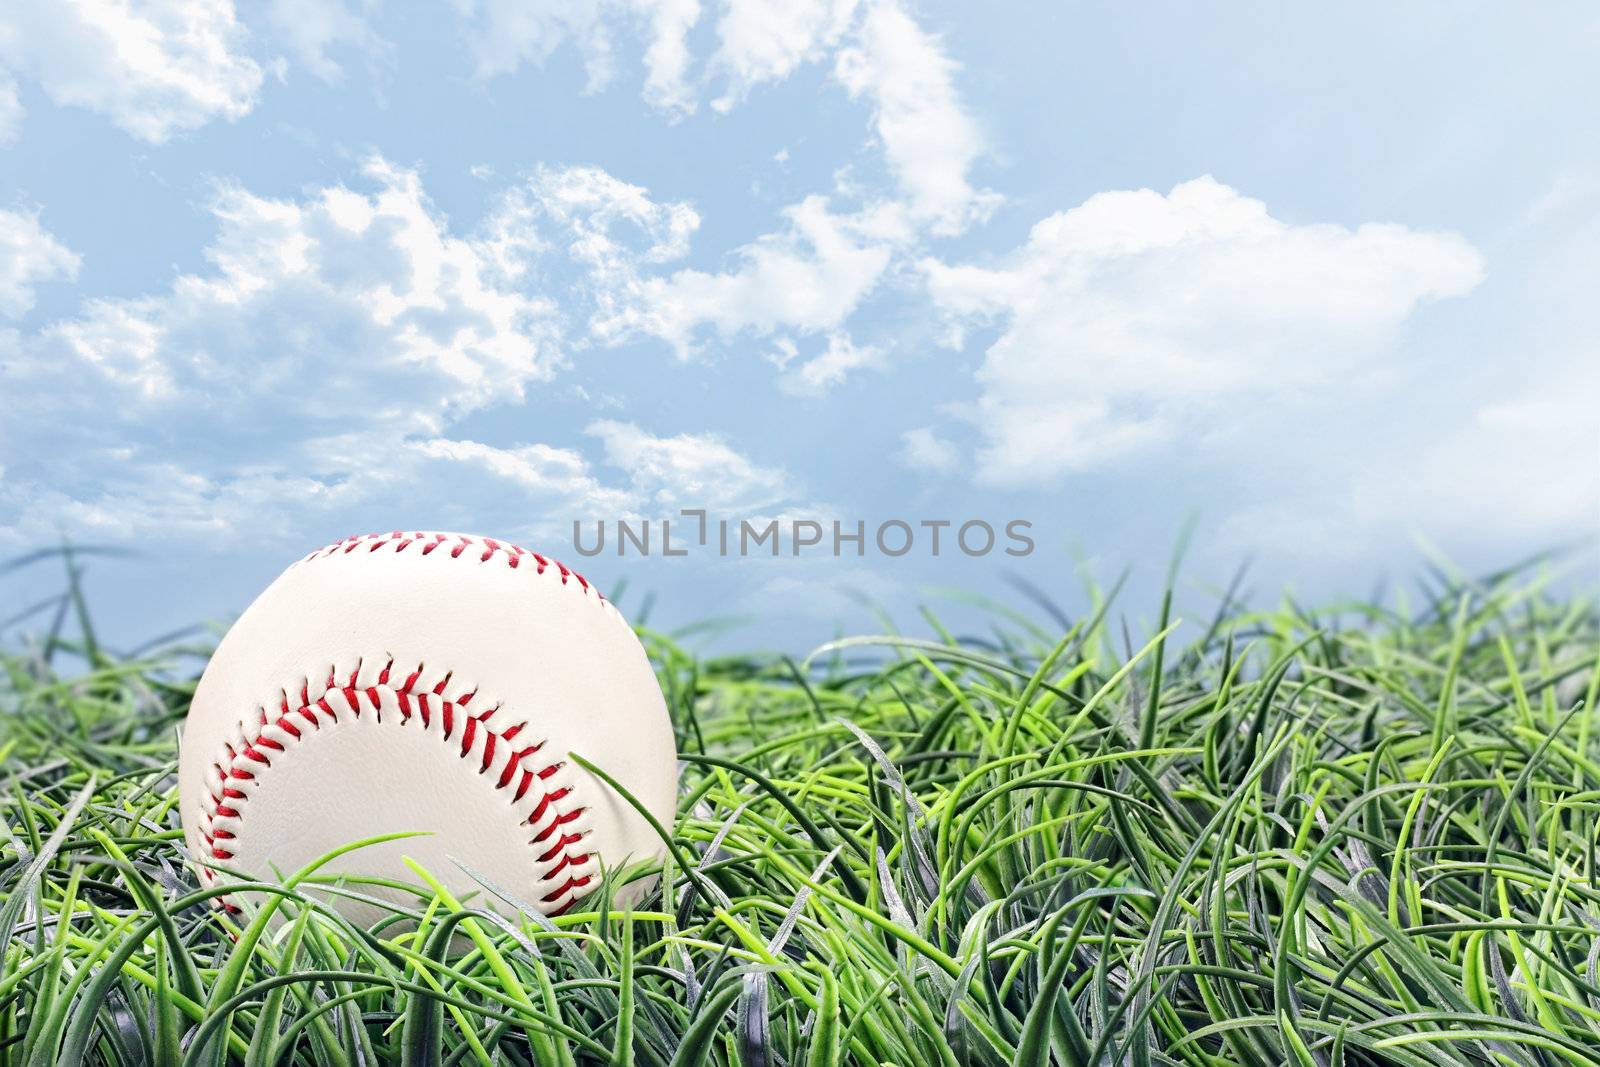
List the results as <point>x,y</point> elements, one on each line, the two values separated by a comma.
<point>1366,835</point>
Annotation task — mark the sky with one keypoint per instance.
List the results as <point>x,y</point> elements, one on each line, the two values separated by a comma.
<point>1316,284</point>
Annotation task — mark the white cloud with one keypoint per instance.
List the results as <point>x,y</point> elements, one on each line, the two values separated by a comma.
<point>653,476</point>
<point>29,255</point>
<point>538,467</point>
<point>325,332</point>
<point>768,40</point>
<point>809,277</point>
<point>811,273</point>
<point>879,54</point>
<point>311,28</point>
<point>923,450</point>
<point>562,475</point>
<point>882,56</point>
<point>688,470</point>
<point>1490,455</point>
<point>928,137</point>
<point>666,58</point>
<point>583,218</point>
<point>504,34</point>
<point>155,68</point>
<point>783,353</point>
<point>136,497</point>
<point>818,376</point>
<point>372,279</point>
<point>1135,318</point>
<point>321,365</point>
<point>582,209</point>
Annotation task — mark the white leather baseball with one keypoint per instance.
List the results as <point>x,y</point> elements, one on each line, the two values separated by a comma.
<point>433,682</point>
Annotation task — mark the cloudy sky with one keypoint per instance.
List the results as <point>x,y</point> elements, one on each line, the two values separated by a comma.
<point>1323,283</point>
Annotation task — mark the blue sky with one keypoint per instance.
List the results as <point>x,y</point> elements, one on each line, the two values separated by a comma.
<point>1321,281</point>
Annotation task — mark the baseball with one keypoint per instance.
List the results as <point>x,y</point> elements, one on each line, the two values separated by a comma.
<point>428,682</point>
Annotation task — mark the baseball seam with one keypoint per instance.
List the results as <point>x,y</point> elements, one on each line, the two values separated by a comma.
<point>558,830</point>
<point>455,546</point>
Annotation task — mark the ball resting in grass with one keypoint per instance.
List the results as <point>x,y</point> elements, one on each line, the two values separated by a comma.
<point>436,686</point>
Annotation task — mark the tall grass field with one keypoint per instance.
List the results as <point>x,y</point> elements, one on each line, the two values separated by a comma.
<point>1353,834</point>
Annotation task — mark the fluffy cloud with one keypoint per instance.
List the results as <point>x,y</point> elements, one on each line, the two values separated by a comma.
<point>29,255</point>
<point>809,276</point>
<point>115,493</point>
<point>688,470</point>
<point>609,230</point>
<point>155,68</point>
<point>311,28</point>
<point>818,376</point>
<point>1135,318</point>
<point>923,450</point>
<point>831,252</point>
<point>372,282</point>
<point>666,58</point>
<point>1487,453</point>
<point>323,362</point>
<point>880,55</point>
<point>323,334</point>
<point>503,34</point>
<point>563,476</point>
<point>767,40</point>
<point>928,138</point>
<point>636,474</point>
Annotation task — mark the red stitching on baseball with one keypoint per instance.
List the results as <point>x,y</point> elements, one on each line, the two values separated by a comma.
<point>550,819</point>
<point>483,549</point>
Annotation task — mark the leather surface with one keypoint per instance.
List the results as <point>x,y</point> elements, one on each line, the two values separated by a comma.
<point>535,660</point>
